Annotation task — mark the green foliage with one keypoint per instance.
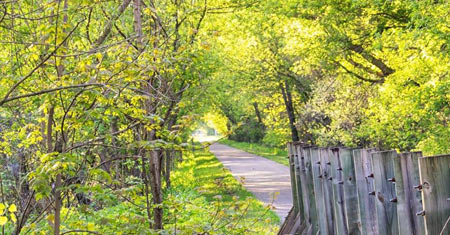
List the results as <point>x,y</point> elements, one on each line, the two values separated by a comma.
<point>204,198</point>
<point>277,138</point>
<point>364,73</point>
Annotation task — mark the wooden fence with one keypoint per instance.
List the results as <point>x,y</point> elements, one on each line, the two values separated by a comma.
<point>365,191</point>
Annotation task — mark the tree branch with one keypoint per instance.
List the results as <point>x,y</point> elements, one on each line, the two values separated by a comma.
<point>48,91</point>
<point>359,76</point>
<point>38,66</point>
<point>110,23</point>
<point>386,70</point>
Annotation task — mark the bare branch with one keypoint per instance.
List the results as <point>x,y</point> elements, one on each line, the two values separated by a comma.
<point>49,91</point>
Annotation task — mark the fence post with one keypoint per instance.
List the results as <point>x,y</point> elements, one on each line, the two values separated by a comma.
<point>327,189</point>
<point>364,183</point>
<point>350,191</point>
<point>295,197</point>
<point>408,199</point>
<point>386,207</point>
<point>299,183</point>
<point>434,181</point>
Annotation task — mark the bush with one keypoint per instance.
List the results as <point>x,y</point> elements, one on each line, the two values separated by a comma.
<point>276,138</point>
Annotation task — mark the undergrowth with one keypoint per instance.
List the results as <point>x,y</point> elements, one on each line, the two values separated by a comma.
<point>204,199</point>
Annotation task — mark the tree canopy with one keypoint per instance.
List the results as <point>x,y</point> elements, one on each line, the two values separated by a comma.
<point>91,87</point>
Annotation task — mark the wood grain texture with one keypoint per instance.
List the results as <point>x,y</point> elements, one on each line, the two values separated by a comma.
<point>408,199</point>
<point>300,192</point>
<point>327,189</point>
<point>309,195</point>
<point>350,191</point>
<point>317,177</point>
<point>364,183</point>
<point>435,180</point>
<point>338,192</point>
<point>383,169</point>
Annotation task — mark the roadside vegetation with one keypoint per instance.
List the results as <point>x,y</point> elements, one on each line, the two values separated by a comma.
<point>276,154</point>
<point>204,199</point>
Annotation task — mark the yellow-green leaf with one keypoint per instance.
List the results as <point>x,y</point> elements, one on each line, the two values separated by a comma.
<point>12,208</point>
<point>3,220</point>
<point>13,217</point>
<point>91,227</point>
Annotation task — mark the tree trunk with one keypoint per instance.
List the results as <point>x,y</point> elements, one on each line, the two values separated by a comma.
<point>137,21</point>
<point>155,183</point>
<point>257,112</point>
<point>59,143</point>
<point>287,97</point>
<point>58,205</point>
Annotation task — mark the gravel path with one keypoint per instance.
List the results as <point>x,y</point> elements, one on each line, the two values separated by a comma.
<point>261,176</point>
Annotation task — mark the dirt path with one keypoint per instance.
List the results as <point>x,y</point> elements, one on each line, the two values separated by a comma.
<point>262,177</point>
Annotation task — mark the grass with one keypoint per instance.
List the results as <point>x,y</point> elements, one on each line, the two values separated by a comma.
<point>222,203</point>
<point>204,199</point>
<point>274,154</point>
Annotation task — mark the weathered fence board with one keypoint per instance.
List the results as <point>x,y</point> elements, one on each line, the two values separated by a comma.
<point>408,199</point>
<point>364,183</point>
<point>300,192</point>
<point>338,193</point>
<point>294,183</point>
<point>383,170</point>
<point>350,191</point>
<point>435,181</point>
<point>303,184</point>
<point>308,189</point>
<point>327,189</point>
<point>317,176</point>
